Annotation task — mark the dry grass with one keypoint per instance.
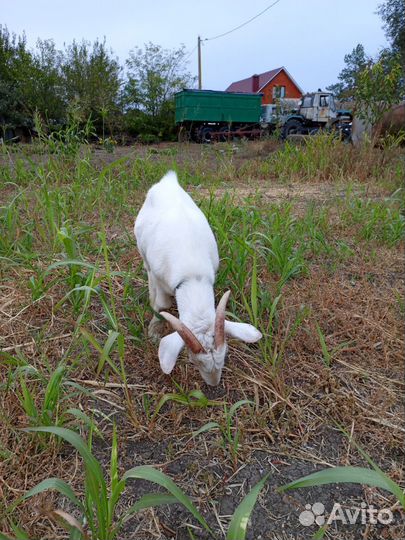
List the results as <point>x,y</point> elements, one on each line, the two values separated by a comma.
<point>299,403</point>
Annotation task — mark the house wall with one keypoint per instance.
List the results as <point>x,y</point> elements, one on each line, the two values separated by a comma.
<point>282,79</point>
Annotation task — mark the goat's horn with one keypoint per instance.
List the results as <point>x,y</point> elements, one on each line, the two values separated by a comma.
<point>220,321</point>
<point>185,333</point>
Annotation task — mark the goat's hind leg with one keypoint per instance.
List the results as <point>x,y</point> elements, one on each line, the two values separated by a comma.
<point>159,300</point>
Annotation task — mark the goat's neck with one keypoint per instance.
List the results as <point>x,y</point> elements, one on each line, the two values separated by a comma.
<point>196,304</point>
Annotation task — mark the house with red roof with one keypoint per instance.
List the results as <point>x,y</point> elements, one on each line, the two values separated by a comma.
<point>276,83</point>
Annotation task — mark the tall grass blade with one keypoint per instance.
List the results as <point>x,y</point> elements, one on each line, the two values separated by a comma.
<point>84,288</point>
<point>75,528</point>
<point>206,427</point>
<point>320,533</point>
<point>326,354</point>
<point>19,534</point>
<point>153,499</point>
<point>53,388</point>
<point>237,405</point>
<point>146,472</point>
<point>91,339</point>
<point>240,519</point>
<point>105,354</point>
<point>94,473</point>
<point>253,292</point>
<point>353,475</point>
<point>28,401</point>
<point>53,484</point>
<point>70,262</point>
<point>85,418</point>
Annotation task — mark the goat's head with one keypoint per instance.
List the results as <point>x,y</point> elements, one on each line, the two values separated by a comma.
<point>209,351</point>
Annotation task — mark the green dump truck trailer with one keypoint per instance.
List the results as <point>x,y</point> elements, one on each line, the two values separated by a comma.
<point>204,115</point>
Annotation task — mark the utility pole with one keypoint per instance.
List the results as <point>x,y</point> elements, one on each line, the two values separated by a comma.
<point>199,64</point>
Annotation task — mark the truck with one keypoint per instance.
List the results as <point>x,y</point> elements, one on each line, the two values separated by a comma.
<point>207,115</point>
<point>317,110</point>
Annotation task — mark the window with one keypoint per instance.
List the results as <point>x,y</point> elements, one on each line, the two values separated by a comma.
<point>323,101</point>
<point>278,91</point>
<point>307,101</point>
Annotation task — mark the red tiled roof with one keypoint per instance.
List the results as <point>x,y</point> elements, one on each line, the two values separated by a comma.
<point>246,85</point>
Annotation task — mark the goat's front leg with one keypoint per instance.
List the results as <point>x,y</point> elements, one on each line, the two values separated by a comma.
<point>159,300</point>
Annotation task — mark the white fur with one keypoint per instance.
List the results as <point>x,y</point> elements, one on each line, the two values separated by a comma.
<point>179,250</point>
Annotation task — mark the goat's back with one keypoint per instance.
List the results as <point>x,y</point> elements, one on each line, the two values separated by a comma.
<point>173,235</point>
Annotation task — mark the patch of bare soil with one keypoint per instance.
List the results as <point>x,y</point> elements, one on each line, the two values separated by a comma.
<point>301,194</point>
<point>278,193</point>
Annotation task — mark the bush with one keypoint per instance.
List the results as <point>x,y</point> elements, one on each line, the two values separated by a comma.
<point>148,138</point>
<point>150,129</point>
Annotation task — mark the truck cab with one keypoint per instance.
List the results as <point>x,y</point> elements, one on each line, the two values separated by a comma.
<point>318,107</point>
<point>317,110</point>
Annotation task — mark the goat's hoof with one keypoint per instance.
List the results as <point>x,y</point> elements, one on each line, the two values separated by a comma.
<point>156,330</point>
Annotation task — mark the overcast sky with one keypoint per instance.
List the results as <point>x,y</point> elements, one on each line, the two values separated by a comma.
<point>308,37</point>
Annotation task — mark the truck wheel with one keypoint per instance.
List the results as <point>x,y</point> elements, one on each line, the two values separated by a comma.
<point>343,130</point>
<point>291,127</point>
<point>226,134</point>
<point>205,135</point>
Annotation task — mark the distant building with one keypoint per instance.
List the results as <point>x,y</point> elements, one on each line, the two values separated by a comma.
<point>276,83</point>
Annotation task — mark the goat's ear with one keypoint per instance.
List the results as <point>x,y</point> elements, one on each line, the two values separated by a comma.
<point>169,349</point>
<point>244,332</point>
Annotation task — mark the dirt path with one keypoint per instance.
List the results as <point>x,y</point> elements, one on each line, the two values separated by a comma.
<point>279,193</point>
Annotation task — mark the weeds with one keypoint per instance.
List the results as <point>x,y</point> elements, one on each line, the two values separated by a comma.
<point>69,267</point>
<point>375,220</point>
<point>230,433</point>
<point>192,399</point>
<point>97,507</point>
<point>66,141</point>
<point>328,355</point>
<point>45,399</point>
<point>374,477</point>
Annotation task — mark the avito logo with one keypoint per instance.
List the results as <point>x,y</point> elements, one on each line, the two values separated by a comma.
<point>315,514</point>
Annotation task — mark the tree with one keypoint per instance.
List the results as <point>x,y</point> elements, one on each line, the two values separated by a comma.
<point>378,88</point>
<point>47,89</point>
<point>154,75</point>
<point>38,76</point>
<point>15,61</point>
<point>92,81</point>
<point>392,13</point>
<point>355,62</point>
<point>30,81</point>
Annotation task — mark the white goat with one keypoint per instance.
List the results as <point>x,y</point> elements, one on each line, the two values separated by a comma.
<point>180,255</point>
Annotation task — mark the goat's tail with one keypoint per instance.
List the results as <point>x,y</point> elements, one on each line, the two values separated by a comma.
<point>170,177</point>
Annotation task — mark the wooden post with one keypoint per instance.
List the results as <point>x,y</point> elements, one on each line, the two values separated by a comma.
<point>199,64</point>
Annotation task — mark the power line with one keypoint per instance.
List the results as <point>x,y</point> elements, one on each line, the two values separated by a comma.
<point>243,24</point>
<point>190,53</point>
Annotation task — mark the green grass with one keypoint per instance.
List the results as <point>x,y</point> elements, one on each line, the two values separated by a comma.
<point>97,506</point>
<point>66,239</point>
<point>192,399</point>
<point>374,477</point>
<point>55,220</point>
<point>228,428</point>
<point>327,353</point>
<point>45,395</point>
